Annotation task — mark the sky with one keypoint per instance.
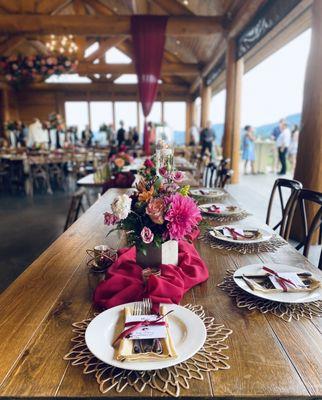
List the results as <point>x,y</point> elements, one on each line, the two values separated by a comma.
<point>274,88</point>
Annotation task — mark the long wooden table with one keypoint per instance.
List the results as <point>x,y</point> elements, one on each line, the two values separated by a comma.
<point>268,357</point>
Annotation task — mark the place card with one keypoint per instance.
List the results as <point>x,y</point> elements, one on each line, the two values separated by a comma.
<point>146,332</point>
<point>227,233</point>
<point>292,276</point>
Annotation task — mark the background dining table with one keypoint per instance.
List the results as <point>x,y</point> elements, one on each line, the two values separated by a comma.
<point>269,357</point>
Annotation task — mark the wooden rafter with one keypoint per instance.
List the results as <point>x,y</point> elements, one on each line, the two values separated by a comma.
<point>167,69</point>
<point>88,25</point>
<point>11,44</point>
<point>173,7</point>
<point>79,9</point>
<point>247,10</point>
<point>50,7</point>
<point>140,6</point>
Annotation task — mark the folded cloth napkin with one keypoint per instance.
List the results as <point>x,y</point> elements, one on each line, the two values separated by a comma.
<point>124,282</point>
<point>125,351</point>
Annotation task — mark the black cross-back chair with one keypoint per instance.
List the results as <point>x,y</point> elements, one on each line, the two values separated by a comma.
<point>304,197</point>
<point>286,204</point>
<point>224,173</point>
<point>75,206</point>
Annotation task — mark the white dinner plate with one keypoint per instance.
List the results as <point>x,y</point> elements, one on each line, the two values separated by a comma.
<point>224,212</point>
<point>266,235</point>
<point>187,330</point>
<point>283,297</point>
<point>213,192</point>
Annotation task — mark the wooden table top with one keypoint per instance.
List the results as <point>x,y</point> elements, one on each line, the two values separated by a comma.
<point>268,357</point>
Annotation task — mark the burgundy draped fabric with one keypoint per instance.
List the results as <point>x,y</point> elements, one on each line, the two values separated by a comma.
<point>148,34</point>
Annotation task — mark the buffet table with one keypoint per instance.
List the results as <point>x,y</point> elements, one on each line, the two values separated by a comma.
<point>268,356</point>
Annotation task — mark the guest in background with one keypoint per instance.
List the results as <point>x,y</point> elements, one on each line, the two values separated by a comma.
<point>87,136</point>
<point>207,139</point>
<point>110,134</point>
<point>292,150</point>
<point>249,148</point>
<point>120,137</point>
<point>135,136</point>
<point>152,133</point>
<point>37,136</point>
<point>194,136</point>
<point>21,134</point>
<point>129,139</point>
<point>283,143</point>
<point>274,136</point>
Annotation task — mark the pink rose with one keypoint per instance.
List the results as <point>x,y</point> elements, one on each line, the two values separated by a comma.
<point>110,219</point>
<point>148,163</point>
<point>163,172</point>
<point>147,235</point>
<point>155,210</point>
<point>177,176</point>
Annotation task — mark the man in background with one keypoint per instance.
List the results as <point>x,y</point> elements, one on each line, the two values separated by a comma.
<point>274,136</point>
<point>120,137</point>
<point>207,139</point>
<point>282,144</point>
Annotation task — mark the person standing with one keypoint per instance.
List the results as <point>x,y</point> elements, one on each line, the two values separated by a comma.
<point>120,137</point>
<point>283,143</point>
<point>274,136</point>
<point>249,149</point>
<point>135,136</point>
<point>207,138</point>
<point>194,135</point>
<point>292,150</point>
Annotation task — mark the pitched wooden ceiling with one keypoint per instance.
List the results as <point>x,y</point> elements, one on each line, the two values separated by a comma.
<point>184,58</point>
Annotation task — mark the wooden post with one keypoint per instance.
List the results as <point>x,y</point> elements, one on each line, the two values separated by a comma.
<point>113,113</point>
<point>231,138</point>
<point>188,121</point>
<point>138,119</point>
<point>309,165</point>
<point>235,150</point>
<point>162,112</point>
<point>230,88</point>
<point>205,105</point>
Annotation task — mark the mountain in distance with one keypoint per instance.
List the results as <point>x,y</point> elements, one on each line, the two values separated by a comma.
<point>262,131</point>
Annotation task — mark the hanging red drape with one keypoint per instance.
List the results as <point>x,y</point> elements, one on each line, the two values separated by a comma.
<point>148,34</point>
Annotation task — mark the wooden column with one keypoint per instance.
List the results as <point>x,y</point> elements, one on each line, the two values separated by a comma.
<point>162,112</point>
<point>235,149</point>
<point>138,119</point>
<point>113,113</point>
<point>231,138</point>
<point>309,158</point>
<point>189,122</point>
<point>205,105</point>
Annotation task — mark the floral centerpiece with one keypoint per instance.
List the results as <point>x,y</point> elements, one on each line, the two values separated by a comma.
<point>158,212</point>
<point>24,69</point>
<point>119,160</point>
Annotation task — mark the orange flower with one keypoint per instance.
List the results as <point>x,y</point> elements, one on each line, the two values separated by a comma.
<point>119,162</point>
<point>146,195</point>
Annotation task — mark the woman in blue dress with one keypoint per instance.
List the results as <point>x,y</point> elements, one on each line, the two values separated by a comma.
<point>249,148</point>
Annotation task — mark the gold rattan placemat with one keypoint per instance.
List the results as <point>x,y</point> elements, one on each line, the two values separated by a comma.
<point>211,357</point>
<point>271,245</point>
<point>215,219</point>
<point>286,311</point>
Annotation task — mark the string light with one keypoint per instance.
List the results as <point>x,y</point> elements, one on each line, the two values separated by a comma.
<point>62,44</point>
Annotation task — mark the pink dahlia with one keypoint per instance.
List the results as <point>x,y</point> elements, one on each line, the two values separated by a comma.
<point>182,216</point>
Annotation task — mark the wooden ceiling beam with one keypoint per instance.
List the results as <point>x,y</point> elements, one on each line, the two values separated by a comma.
<point>108,86</point>
<point>49,7</point>
<point>11,44</point>
<point>79,9</point>
<point>173,7</point>
<point>243,16</point>
<point>85,68</point>
<point>85,25</point>
<point>99,8</point>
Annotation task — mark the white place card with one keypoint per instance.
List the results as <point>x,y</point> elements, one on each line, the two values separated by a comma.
<point>146,332</point>
<point>292,276</point>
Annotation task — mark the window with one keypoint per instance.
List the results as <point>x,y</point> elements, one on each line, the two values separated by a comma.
<point>115,56</point>
<point>217,114</point>
<point>175,118</point>
<point>101,113</point>
<point>126,111</point>
<point>127,78</point>
<point>90,49</point>
<point>68,78</point>
<point>77,114</point>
